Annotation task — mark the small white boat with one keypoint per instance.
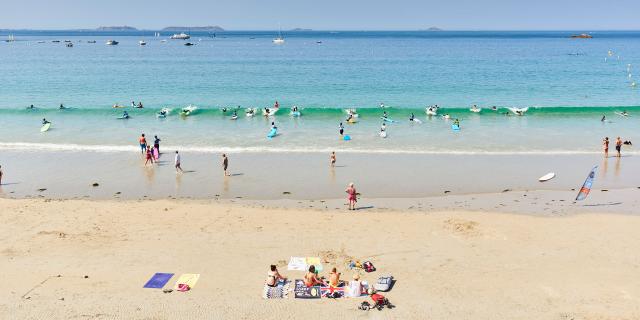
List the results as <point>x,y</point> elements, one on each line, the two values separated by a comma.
<point>180,36</point>
<point>519,111</point>
<point>112,42</point>
<point>142,43</point>
<point>279,39</point>
<point>40,41</point>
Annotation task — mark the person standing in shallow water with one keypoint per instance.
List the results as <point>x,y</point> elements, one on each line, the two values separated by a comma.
<point>332,159</point>
<point>156,144</point>
<point>351,196</point>
<point>143,143</point>
<point>225,164</point>
<point>618,147</point>
<point>0,175</point>
<point>605,147</point>
<point>177,162</point>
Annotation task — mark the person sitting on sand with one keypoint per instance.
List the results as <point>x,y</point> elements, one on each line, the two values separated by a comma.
<point>273,277</point>
<point>334,278</point>
<point>351,196</point>
<point>356,288</point>
<point>311,278</point>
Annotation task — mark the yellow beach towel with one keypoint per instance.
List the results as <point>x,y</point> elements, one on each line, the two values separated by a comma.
<point>189,279</point>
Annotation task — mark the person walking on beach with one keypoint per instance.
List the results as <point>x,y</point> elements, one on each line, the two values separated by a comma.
<point>351,196</point>
<point>605,147</point>
<point>332,158</point>
<point>149,157</point>
<point>618,146</point>
<point>225,164</point>
<point>156,144</point>
<point>177,163</point>
<point>0,175</point>
<point>143,143</point>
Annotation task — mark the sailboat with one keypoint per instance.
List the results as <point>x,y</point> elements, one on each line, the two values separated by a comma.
<point>11,38</point>
<point>279,39</point>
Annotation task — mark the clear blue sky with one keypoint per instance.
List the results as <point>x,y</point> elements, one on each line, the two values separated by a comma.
<point>326,14</point>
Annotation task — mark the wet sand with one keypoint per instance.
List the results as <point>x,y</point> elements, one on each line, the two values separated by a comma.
<point>301,176</point>
<point>89,259</point>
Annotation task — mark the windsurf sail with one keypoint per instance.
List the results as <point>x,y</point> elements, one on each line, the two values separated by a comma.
<point>586,186</point>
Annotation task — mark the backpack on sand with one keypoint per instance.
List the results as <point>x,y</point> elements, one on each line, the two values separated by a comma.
<point>384,283</point>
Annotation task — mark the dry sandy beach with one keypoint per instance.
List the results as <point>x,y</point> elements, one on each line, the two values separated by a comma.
<point>449,264</point>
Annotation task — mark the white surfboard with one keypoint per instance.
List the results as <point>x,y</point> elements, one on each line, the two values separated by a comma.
<point>547,177</point>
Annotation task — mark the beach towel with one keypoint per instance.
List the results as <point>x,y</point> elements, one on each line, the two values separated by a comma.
<point>331,292</point>
<point>297,264</point>
<point>301,291</point>
<point>186,281</point>
<point>158,280</point>
<point>315,261</point>
<point>280,291</point>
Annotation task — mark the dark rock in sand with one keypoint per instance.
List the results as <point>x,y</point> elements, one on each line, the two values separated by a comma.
<point>86,277</point>
<point>446,191</point>
<point>95,184</point>
<point>506,190</point>
<point>42,189</point>
<point>286,192</point>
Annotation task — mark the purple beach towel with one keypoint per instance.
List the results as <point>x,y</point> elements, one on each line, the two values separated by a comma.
<point>158,280</point>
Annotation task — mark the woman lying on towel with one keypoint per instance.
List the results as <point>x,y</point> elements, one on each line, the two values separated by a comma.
<point>274,276</point>
<point>311,278</point>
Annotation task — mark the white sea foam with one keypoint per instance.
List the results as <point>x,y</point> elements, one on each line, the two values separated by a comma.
<point>51,147</point>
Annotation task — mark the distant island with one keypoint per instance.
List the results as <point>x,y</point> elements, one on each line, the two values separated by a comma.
<point>116,28</point>
<point>434,29</point>
<point>301,29</point>
<point>205,28</point>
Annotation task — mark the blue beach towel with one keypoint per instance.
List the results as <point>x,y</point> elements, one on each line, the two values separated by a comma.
<point>158,280</point>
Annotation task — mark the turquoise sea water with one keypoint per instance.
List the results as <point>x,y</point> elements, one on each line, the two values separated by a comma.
<point>568,83</point>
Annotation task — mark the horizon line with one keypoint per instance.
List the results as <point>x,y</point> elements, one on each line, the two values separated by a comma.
<point>300,29</point>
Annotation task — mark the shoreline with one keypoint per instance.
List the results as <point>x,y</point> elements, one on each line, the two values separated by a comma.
<point>447,264</point>
<point>304,176</point>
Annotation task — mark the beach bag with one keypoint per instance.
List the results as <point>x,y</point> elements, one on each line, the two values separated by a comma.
<point>368,266</point>
<point>384,283</point>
